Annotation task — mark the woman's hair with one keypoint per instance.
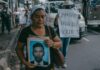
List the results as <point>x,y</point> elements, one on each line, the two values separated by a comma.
<point>36,8</point>
<point>36,11</point>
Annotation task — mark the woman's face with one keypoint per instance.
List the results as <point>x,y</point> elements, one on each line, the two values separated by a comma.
<point>38,18</point>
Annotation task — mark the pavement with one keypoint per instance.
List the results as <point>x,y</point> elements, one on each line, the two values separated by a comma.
<point>7,48</point>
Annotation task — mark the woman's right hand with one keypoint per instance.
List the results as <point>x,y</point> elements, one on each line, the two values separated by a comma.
<point>30,65</point>
<point>48,41</point>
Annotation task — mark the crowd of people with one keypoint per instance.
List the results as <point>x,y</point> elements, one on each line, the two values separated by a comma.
<point>13,19</point>
<point>21,16</point>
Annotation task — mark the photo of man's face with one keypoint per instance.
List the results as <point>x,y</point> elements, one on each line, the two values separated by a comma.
<point>38,52</point>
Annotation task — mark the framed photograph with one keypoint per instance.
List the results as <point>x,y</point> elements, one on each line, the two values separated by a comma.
<point>38,52</point>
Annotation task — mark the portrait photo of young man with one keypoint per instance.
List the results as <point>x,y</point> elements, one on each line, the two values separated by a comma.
<point>38,53</point>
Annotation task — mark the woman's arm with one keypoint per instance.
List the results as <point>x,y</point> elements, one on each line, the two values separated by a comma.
<point>20,54</point>
<point>57,42</point>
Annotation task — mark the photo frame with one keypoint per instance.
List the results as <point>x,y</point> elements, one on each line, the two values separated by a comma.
<point>38,52</point>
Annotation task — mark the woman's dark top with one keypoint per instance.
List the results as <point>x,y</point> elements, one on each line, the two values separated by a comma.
<point>27,32</point>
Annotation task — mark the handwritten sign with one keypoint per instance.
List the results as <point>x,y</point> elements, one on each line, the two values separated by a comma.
<point>68,23</point>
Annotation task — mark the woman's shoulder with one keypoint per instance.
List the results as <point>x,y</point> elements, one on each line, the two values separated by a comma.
<point>25,29</point>
<point>48,27</point>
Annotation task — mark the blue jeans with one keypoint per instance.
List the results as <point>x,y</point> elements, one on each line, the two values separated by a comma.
<point>65,45</point>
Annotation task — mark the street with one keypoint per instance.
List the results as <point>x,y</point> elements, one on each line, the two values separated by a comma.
<point>84,54</point>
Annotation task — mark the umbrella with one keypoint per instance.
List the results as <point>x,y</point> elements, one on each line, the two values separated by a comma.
<point>3,2</point>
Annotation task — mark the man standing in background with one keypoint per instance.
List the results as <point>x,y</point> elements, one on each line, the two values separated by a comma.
<point>67,20</point>
<point>5,17</point>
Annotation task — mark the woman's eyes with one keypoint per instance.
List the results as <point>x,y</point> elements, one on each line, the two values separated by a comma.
<point>40,16</point>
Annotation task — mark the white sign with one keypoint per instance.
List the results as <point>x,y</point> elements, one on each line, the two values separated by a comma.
<point>68,23</point>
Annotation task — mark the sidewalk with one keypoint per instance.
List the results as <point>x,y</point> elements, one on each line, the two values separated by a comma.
<point>6,47</point>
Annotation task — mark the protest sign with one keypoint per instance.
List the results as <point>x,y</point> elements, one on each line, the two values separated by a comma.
<point>68,23</point>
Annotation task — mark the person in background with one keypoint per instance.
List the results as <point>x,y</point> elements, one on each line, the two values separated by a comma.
<point>26,15</point>
<point>37,29</point>
<point>16,17</point>
<point>65,40</point>
<point>5,17</point>
<point>22,18</point>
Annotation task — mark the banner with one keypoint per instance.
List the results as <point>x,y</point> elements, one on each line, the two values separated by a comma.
<point>68,23</point>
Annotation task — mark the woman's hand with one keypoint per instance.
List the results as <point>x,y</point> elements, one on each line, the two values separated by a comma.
<point>29,65</point>
<point>48,41</point>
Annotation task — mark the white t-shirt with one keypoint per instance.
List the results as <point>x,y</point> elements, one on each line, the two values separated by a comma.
<point>22,19</point>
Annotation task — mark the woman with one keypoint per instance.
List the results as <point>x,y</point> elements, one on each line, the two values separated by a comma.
<point>37,28</point>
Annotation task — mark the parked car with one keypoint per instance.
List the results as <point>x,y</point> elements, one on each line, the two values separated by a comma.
<point>82,26</point>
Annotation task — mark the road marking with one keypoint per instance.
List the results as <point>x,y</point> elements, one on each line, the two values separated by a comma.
<point>86,39</point>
